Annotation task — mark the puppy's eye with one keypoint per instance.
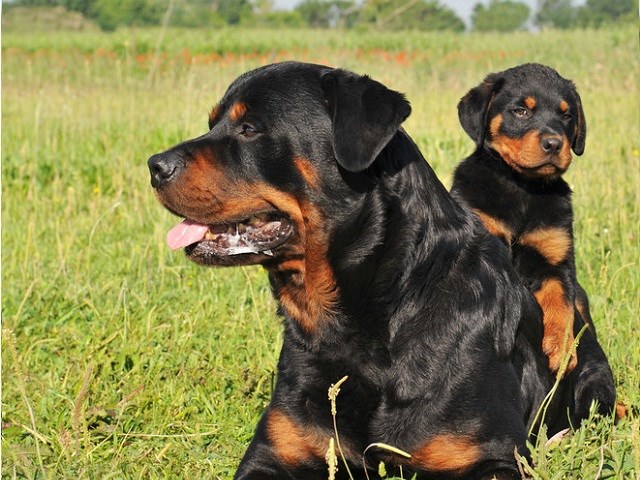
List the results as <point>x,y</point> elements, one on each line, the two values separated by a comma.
<point>566,117</point>
<point>521,112</point>
<point>248,131</point>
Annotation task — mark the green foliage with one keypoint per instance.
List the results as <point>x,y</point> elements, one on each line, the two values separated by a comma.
<point>596,13</point>
<point>326,13</point>
<point>120,359</point>
<point>426,15</point>
<point>402,15</point>
<point>86,7</point>
<point>109,14</point>
<point>43,18</point>
<point>195,15</point>
<point>438,17</point>
<point>500,16</point>
<point>234,11</point>
<point>284,18</point>
<point>556,13</point>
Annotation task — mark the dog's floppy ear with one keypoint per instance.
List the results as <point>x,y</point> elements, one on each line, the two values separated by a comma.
<point>473,108</point>
<point>580,135</point>
<point>365,116</point>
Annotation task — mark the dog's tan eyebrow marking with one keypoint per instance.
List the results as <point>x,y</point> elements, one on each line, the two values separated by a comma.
<point>237,110</point>
<point>530,102</point>
<point>564,106</point>
<point>495,124</point>
<point>213,115</point>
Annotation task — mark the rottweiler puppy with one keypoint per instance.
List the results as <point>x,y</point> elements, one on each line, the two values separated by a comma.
<point>525,122</point>
<point>379,274</point>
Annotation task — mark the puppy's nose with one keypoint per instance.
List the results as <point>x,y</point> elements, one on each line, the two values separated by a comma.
<point>551,144</point>
<point>162,167</point>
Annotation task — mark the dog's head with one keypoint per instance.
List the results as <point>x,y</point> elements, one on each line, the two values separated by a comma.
<point>256,188</point>
<point>529,115</point>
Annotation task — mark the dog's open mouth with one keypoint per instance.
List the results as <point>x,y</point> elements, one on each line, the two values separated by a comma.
<point>258,234</point>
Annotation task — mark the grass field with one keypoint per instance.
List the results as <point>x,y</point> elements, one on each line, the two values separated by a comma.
<point>122,360</point>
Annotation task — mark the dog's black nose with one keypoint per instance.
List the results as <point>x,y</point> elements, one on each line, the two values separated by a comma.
<point>551,144</point>
<point>162,167</point>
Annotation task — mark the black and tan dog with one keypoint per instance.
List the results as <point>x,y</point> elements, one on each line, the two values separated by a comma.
<point>378,272</point>
<point>525,122</point>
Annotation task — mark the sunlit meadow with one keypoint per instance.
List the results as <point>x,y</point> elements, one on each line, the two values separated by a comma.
<point>122,360</point>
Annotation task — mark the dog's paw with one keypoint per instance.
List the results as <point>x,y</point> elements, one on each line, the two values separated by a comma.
<point>595,384</point>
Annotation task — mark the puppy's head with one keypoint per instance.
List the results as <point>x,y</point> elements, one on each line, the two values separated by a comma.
<point>530,116</point>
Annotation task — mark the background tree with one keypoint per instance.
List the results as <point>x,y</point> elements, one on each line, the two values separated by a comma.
<point>500,16</point>
<point>412,14</point>
<point>32,3</point>
<point>234,11</point>
<point>325,13</point>
<point>439,17</point>
<point>315,13</point>
<point>600,12</point>
<point>196,13</point>
<point>109,14</point>
<point>85,7</point>
<point>556,13</point>
<point>263,7</point>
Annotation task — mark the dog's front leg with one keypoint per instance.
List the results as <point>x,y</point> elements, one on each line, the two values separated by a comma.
<point>284,447</point>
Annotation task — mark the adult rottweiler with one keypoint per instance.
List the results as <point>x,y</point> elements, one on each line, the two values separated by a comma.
<point>525,122</point>
<point>378,272</point>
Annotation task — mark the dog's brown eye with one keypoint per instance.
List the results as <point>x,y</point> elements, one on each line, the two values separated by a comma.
<point>566,117</point>
<point>248,131</point>
<point>521,112</point>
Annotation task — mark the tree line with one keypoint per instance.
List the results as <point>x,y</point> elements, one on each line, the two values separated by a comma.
<point>428,15</point>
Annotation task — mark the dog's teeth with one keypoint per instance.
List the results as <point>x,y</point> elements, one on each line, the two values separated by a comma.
<point>268,252</point>
<point>253,221</point>
<point>210,236</point>
<point>230,230</point>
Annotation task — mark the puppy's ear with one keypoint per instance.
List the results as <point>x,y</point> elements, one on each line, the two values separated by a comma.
<point>473,108</point>
<point>580,135</point>
<point>365,116</point>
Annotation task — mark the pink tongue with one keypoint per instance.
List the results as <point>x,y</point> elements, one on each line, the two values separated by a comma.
<point>185,234</point>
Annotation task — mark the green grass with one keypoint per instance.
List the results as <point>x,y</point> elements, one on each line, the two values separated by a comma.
<point>121,359</point>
